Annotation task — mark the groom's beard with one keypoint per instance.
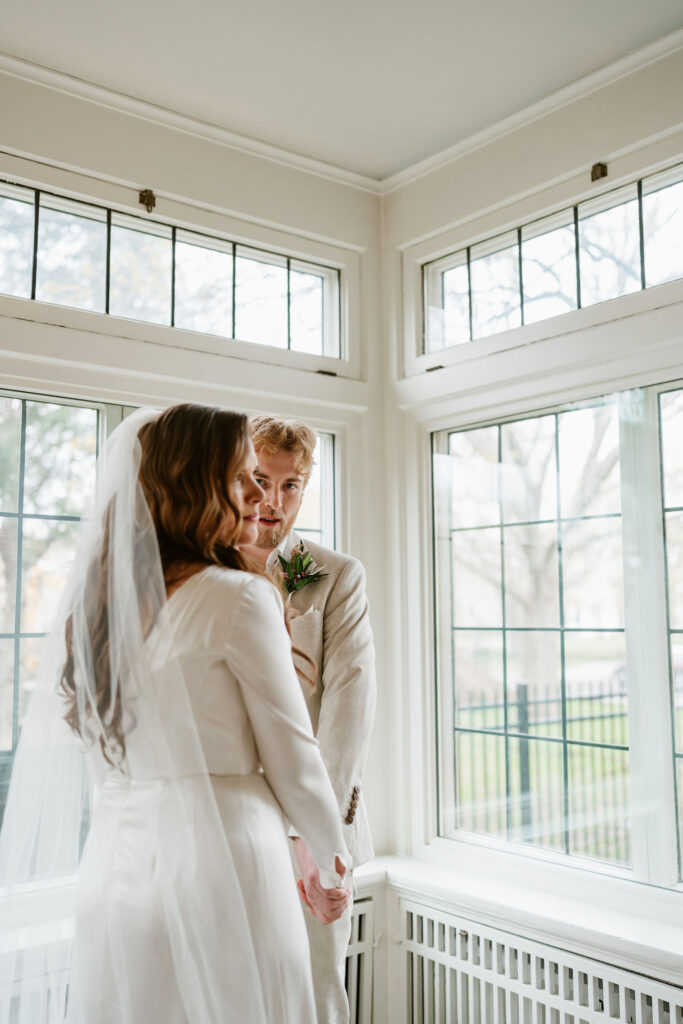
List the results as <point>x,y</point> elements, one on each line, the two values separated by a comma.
<point>269,536</point>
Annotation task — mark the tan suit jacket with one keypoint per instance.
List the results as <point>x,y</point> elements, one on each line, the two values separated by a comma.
<point>330,623</point>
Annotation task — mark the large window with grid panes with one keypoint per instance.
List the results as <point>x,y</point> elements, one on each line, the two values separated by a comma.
<point>558,564</point>
<point>48,457</point>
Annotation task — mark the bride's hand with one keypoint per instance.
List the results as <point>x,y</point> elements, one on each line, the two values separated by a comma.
<point>326,904</point>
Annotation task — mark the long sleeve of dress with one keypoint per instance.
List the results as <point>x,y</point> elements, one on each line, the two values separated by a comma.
<point>259,654</point>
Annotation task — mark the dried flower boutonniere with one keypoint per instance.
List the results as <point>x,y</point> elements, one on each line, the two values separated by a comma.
<point>300,570</point>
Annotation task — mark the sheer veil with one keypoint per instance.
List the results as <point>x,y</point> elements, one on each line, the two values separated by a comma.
<point>46,828</point>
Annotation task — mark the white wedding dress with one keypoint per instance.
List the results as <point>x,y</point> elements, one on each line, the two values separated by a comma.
<point>148,872</point>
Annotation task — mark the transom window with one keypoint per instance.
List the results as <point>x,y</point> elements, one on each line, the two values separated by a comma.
<point>73,253</point>
<point>540,589</point>
<point>620,242</point>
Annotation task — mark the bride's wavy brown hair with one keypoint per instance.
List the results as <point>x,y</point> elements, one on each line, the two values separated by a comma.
<point>190,453</point>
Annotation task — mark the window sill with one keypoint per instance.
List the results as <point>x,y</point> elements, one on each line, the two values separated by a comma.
<point>636,927</point>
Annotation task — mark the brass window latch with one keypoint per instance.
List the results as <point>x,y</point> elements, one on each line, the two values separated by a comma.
<point>148,199</point>
<point>598,171</point>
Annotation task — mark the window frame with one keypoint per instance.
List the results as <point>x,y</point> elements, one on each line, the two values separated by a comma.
<point>654,814</point>
<point>214,224</point>
<point>487,229</point>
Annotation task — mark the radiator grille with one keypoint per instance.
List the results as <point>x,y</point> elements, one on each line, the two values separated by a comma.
<point>458,972</point>
<point>359,963</point>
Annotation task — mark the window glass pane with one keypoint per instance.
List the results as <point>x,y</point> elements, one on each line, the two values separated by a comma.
<point>531,575</point>
<point>679,779</point>
<point>534,681</point>
<point>456,306</point>
<point>61,450</point>
<point>309,519</point>
<point>593,583</point>
<point>599,804</point>
<point>476,568</point>
<point>72,254</point>
<point>549,267</point>
<point>677,687</point>
<point>609,246</point>
<point>663,226</point>
<point>8,573</point>
<point>260,297</point>
<point>31,653</point>
<point>16,240</point>
<point>48,552</point>
<point>674,557</point>
<point>537,793</point>
<point>140,270</point>
<point>6,699</point>
<point>203,284</point>
<point>478,661</point>
<point>472,474</point>
<point>589,461</point>
<point>480,783</point>
<point>317,512</point>
<point>529,470</point>
<point>494,270</point>
<point>447,302</point>
<point>10,444</point>
<point>671,406</point>
<point>306,309</point>
<point>595,671</point>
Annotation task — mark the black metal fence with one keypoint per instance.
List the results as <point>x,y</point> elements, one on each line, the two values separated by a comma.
<point>547,770</point>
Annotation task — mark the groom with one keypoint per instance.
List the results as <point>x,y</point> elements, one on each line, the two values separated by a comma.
<point>329,621</point>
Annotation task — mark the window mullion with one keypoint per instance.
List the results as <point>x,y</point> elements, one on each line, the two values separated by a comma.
<point>649,706</point>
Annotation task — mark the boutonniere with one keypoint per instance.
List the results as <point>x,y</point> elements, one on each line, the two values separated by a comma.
<point>300,570</point>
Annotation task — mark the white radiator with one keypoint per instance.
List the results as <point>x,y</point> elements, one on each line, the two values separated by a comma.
<point>458,972</point>
<point>359,962</point>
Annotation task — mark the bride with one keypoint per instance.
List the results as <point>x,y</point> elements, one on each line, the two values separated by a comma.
<point>175,675</point>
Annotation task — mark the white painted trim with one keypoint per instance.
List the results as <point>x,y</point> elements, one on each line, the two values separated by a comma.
<point>601,346</point>
<point>636,927</point>
<point>123,103</point>
<point>191,213</point>
<point>651,755</point>
<point>555,101</point>
<point>96,356</point>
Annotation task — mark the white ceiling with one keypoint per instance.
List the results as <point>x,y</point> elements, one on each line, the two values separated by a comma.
<point>371,86</point>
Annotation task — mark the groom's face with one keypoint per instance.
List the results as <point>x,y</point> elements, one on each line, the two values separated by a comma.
<point>283,484</point>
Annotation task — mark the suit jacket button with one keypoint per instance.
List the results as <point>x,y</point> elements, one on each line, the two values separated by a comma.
<point>354,802</point>
<point>348,819</point>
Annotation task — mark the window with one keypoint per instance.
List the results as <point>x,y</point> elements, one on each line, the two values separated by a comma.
<point>47,454</point>
<point>620,242</point>
<point>77,254</point>
<point>540,598</point>
<point>48,451</point>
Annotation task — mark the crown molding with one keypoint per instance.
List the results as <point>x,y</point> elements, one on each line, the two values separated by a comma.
<point>121,102</point>
<point>589,84</point>
<point>585,86</point>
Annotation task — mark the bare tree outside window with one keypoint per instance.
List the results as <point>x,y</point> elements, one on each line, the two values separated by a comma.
<point>537,663</point>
